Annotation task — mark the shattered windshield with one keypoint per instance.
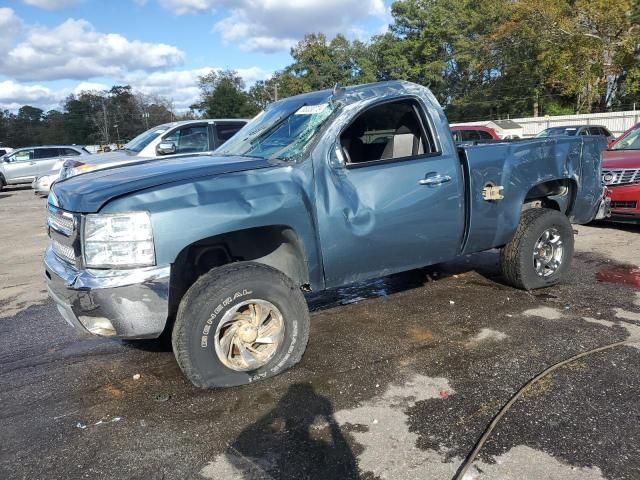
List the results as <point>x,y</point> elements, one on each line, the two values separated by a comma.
<point>281,132</point>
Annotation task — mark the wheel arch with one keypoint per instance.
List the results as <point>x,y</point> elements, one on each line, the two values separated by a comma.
<point>278,246</point>
<point>558,194</point>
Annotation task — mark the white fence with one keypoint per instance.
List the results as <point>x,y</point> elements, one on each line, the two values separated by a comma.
<point>616,122</point>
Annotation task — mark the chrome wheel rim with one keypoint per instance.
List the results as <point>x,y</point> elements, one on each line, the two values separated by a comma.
<point>249,335</point>
<point>548,252</point>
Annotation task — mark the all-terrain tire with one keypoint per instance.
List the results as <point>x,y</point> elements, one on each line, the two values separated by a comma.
<point>517,257</point>
<point>223,290</point>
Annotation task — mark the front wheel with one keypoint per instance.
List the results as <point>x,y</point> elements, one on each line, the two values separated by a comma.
<point>240,323</point>
<point>540,252</point>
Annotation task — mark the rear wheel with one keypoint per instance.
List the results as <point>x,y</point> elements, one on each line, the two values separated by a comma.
<point>541,250</point>
<point>238,324</point>
<point>2,183</point>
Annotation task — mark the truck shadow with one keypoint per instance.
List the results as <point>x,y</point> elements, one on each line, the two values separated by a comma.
<point>484,263</point>
<point>298,438</point>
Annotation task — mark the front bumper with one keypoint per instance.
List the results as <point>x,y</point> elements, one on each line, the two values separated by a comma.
<point>130,304</point>
<point>625,202</point>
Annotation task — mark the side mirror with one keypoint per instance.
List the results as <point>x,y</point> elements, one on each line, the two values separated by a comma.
<point>336,157</point>
<point>167,148</point>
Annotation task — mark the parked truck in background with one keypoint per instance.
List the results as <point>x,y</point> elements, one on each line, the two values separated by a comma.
<point>319,191</point>
<point>176,139</point>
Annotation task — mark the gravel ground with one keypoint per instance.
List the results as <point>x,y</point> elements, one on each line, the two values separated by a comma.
<point>400,378</point>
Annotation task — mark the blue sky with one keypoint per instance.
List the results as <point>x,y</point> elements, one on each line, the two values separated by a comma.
<point>56,47</point>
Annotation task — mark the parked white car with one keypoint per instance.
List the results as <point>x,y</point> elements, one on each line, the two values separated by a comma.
<point>167,140</point>
<point>42,185</point>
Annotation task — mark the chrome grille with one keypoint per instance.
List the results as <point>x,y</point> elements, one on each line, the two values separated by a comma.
<point>65,252</point>
<point>60,221</point>
<point>64,233</point>
<point>624,204</point>
<point>621,176</point>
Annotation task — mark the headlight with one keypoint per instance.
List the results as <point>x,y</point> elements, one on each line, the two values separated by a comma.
<point>118,240</point>
<point>71,168</point>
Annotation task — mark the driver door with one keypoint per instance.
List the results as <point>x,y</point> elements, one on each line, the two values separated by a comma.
<point>395,203</point>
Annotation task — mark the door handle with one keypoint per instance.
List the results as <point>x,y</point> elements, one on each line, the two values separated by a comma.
<point>32,163</point>
<point>435,180</point>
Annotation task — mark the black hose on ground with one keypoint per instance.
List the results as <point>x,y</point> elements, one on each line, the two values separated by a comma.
<point>464,467</point>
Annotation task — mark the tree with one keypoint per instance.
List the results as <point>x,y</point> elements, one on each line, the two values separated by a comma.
<point>223,95</point>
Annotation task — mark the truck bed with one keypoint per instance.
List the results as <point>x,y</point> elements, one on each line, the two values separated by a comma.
<point>520,168</point>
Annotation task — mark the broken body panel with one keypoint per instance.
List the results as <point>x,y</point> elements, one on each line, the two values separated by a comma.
<point>351,222</point>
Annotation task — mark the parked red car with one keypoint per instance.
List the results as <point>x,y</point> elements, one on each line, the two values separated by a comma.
<point>463,134</point>
<point>621,174</point>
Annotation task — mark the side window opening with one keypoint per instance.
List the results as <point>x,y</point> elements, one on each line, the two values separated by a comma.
<point>189,139</point>
<point>45,153</point>
<point>226,131</point>
<point>22,156</point>
<point>469,135</point>
<point>70,152</point>
<point>385,132</point>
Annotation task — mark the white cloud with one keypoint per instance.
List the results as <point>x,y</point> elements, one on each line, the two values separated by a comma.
<point>90,87</point>
<point>183,7</point>
<point>10,28</point>
<point>14,95</point>
<point>179,86</point>
<point>271,25</point>
<point>75,50</point>
<point>52,4</point>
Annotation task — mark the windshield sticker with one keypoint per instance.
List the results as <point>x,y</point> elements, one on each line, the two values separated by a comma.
<point>311,109</point>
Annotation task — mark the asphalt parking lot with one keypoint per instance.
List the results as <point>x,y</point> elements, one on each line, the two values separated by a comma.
<point>400,378</point>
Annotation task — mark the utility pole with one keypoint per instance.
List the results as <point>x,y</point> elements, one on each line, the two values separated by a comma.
<point>106,123</point>
<point>117,133</point>
<point>536,105</point>
<point>275,88</point>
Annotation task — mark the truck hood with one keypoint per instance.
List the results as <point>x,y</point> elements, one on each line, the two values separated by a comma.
<point>119,156</point>
<point>621,159</point>
<point>87,193</point>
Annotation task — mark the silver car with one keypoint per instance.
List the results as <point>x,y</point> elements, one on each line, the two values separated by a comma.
<point>24,165</point>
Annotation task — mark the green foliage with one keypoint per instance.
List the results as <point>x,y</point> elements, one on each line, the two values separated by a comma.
<point>223,95</point>
<point>86,118</point>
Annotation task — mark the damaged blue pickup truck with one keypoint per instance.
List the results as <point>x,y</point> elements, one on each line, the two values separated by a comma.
<point>320,190</point>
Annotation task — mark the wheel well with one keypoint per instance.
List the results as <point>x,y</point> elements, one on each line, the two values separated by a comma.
<point>277,246</point>
<point>555,194</point>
